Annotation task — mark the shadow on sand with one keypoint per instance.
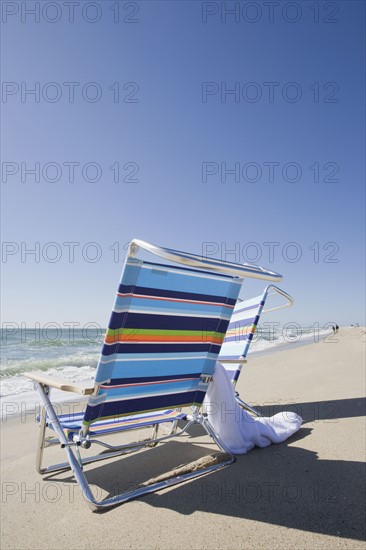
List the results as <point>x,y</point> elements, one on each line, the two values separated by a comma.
<point>282,485</point>
<point>329,411</point>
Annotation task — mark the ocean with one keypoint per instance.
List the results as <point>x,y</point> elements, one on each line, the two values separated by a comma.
<point>73,354</point>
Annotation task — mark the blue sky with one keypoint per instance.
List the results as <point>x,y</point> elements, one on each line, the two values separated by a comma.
<point>173,130</point>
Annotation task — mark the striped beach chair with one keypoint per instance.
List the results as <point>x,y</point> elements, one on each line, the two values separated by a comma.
<point>240,333</point>
<point>164,336</point>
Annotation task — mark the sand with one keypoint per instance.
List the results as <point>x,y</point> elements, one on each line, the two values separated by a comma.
<point>308,492</point>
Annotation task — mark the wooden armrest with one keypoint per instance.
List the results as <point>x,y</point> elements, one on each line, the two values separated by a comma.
<point>59,384</point>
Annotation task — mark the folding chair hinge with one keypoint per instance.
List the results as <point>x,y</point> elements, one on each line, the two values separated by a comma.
<point>206,378</point>
<point>132,250</point>
<point>82,441</point>
<point>71,444</point>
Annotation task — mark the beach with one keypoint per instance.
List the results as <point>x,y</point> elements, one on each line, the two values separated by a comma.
<point>308,492</point>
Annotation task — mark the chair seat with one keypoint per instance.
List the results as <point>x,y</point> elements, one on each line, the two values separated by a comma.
<point>71,423</point>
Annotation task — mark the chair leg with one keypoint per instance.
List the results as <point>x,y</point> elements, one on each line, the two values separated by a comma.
<point>154,435</point>
<point>246,407</point>
<point>172,431</point>
<point>175,424</point>
<point>41,441</point>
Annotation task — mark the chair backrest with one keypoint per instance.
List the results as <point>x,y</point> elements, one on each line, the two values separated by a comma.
<point>242,327</point>
<point>165,333</point>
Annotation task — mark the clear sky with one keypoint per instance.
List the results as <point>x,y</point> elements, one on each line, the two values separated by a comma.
<point>230,123</point>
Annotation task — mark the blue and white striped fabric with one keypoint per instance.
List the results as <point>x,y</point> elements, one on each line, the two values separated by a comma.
<point>165,333</point>
<point>72,423</point>
<point>240,333</point>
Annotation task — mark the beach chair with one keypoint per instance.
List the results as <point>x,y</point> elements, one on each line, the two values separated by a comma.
<point>240,332</point>
<point>164,336</point>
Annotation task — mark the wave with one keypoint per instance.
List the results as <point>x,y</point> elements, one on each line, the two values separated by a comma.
<point>17,385</point>
<point>65,343</point>
<point>14,368</point>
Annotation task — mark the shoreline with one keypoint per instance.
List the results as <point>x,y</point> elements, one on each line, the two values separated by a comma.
<point>304,340</point>
<point>28,403</point>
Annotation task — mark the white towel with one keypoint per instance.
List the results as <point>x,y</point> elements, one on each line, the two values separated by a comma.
<point>238,430</point>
